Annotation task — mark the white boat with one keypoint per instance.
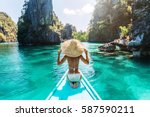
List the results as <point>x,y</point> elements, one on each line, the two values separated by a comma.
<point>63,90</point>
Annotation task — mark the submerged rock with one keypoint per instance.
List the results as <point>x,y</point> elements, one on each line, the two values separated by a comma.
<point>35,26</point>
<point>122,43</point>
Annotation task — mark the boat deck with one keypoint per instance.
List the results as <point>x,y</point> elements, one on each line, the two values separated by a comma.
<point>63,91</point>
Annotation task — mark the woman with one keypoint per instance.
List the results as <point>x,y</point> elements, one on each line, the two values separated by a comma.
<point>72,50</point>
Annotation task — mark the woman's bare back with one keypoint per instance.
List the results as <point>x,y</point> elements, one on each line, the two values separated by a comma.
<point>73,63</point>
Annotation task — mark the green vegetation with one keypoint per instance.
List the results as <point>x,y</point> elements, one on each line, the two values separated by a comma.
<point>124,30</point>
<point>8,28</point>
<point>82,36</point>
<point>2,37</point>
<point>108,16</point>
<point>57,25</point>
<point>64,32</point>
<point>24,27</point>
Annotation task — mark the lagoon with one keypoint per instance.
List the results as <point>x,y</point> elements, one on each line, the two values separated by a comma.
<point>31,73</point>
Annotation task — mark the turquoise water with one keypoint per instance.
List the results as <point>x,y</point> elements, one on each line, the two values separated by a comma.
<point>32,73</point>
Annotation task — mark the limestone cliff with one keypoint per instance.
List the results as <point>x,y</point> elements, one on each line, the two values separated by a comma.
<point>108,16</point>
<point>141,20</point>
<point>141,24</point>
<point>67,31</point>
<point>36,25</point>
<point>8,28</point>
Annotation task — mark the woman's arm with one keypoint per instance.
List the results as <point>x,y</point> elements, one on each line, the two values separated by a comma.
<point>85,60</point>
<point>59,62</point>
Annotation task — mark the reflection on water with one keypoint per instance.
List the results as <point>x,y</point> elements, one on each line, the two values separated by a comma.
<point>32,73</point>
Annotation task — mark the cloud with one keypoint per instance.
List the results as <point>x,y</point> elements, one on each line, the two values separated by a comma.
<point>71,11</point>
<point>86,9</point>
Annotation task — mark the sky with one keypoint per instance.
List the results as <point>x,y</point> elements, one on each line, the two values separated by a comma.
<point>75,12</point>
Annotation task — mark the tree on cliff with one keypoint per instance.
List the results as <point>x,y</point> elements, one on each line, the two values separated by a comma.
<point>108,16</point>
<point>82,36</point>
<point>8,28</point>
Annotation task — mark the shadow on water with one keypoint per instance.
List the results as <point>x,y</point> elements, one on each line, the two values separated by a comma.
<point>142,61</point>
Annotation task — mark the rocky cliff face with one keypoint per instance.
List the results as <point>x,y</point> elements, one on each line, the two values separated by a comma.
<point>108,16</point>
<point>40,12</point>
<point>8,28</point>
<point>66,32</point>
<point>35,26</point>
<point>141,23</point>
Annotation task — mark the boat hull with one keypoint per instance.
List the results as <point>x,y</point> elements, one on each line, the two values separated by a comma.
<point>63,91</point>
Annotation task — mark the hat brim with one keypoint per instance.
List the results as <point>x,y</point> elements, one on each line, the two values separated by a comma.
<point>72,48</point>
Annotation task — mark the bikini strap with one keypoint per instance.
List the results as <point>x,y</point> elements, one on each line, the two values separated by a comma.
<point>73,68</point>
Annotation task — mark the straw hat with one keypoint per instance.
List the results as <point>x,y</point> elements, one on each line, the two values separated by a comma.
<point>72,48</point>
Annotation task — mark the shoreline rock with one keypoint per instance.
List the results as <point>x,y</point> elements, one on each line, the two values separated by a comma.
<point>108,47</point>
